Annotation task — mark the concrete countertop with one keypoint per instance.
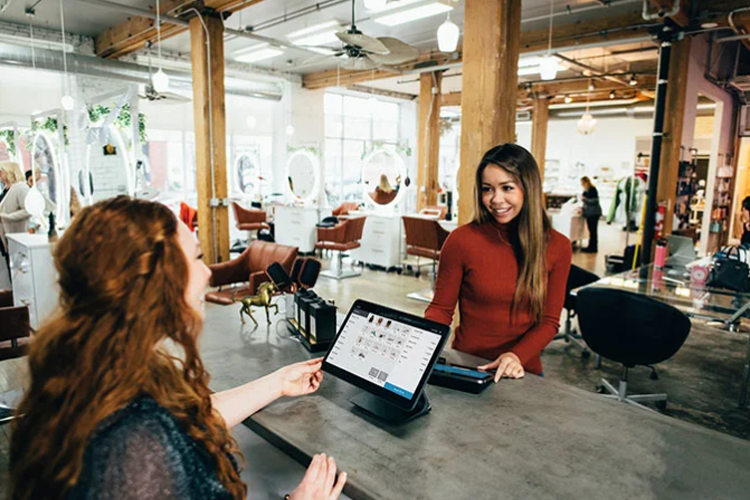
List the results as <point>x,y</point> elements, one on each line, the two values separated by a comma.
<point>531,438</point>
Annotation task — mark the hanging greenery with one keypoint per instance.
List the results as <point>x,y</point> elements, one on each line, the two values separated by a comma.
<point>8,135</point>
<point>310,149</point>
<point>123,121</point>
<point>49,124</point>
<point>402,149</point>
<point>446,125</point>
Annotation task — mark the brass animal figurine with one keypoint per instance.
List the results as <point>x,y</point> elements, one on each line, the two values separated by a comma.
<point>261,298</point>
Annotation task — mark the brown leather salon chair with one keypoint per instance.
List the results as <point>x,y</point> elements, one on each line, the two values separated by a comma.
<point>342,237</point>
<point>345,208</point>
<point>424,238</point>
<point>15,328</point>
<point>249,269</point>
<point>249,219</point>
<point>439,211</point>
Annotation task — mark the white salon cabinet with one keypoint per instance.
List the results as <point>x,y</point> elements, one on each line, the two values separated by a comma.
<point>33,275</point>
<point>381,241</point>
<point>296,226</point>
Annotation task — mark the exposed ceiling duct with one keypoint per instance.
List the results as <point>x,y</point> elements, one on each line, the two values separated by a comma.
<point>21,56</point>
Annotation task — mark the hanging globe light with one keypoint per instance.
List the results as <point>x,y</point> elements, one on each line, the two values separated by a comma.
<point>586,124</point>
<point>548,67</point>
<point>68,103</point>
<point>447,36</point>
<point>290,130</point>
<point>161,81</point>
<point>34,202</point>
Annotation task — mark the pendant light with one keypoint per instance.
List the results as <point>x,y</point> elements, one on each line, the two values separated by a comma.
<point>587,122</point>
<point>161,80</point>
<point>548,65</point>
<point>447,35</point>
<point>67,101</point>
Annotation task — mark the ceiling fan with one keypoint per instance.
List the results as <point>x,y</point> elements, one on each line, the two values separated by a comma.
<point>152,95</point>
<point>362,52</point>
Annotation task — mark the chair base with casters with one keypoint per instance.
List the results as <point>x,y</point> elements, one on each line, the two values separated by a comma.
<point>577,278</point>
<point>571,337</point>
<point>621,393</point>
<point>339,273</point>
<point>428,294</point>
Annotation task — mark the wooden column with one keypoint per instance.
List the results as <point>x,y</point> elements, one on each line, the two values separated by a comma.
<point>210,136</point>
<point>492,33</point>
<point>674,118</point>
<point>539,122</point>
<point>428,140</point>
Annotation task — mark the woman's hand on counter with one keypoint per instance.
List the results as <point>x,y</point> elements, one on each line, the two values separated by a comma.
<point>507,365</point>
<point>320,481</point>
<point>301,378</point>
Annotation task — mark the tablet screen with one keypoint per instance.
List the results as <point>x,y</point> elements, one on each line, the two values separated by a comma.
<point>390,350</point>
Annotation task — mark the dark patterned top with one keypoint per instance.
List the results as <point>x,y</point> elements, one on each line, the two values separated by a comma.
<point>141,452</point>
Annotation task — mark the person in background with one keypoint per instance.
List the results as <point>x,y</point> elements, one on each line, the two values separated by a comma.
<point>507,269</point>
<point>13,216</point>
<point>592,212</point>
<point>119,404</point>
<point>745,241</point>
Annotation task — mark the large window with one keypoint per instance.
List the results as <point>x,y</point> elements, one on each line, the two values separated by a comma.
<point>353,127</point>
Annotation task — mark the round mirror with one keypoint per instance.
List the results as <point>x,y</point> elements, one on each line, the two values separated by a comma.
<point>46,166</point>
<point>248,174</point>
<point>382,177</point>
<point>108,168</point>
<point>303,175</point>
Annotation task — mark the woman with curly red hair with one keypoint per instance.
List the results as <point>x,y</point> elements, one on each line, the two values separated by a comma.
<point>118,405</point>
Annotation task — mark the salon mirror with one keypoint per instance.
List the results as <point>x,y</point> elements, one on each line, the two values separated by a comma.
<point>303,175</point>
<point>108,167</point>
<point>382,177</point>
<point>45,162</point>
<point>247,174</point>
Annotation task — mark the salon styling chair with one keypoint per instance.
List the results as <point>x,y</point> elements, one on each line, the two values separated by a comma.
<point>577,278</point>
<point>345,208</point>
<point>424,238</point>
<point>249,270</point>
<point>15,327</point>
<point>342,237</point>
<point>249,219</point>
<point>630,329</point>
<point>189,216</point>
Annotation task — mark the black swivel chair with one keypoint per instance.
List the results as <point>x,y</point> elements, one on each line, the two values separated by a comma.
<point>577,278</point>
<point>630,329</point>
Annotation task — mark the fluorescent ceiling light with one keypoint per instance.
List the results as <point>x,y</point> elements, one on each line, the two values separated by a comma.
<point>326,26</point>
<point>413,13</point>
<point>38,43</point>
<point>321,38</point>
<point>256,53</point>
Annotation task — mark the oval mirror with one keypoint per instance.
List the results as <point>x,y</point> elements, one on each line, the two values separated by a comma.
<point>108,168</point>
<point>303,175</point>
<point>247,172</point>
<point>47,168</point>
<point>382,177</point>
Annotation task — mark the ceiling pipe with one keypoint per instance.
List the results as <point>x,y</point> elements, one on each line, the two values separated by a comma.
<point>21,56</point>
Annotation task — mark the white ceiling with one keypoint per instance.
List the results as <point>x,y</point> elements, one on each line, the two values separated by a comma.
<point>86,19</point>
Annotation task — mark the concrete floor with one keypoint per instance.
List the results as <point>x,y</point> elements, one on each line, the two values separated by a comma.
<point>702,379</point>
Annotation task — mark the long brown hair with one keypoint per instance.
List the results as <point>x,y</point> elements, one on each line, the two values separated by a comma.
<point>123,277</point>
<point>533,225</point>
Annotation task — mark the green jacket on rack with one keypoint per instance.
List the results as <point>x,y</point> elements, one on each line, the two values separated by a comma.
<point>624,188</point>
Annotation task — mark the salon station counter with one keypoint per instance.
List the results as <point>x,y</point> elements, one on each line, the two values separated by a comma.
<point>296,226</point>
<point>382,241</point>
<point>531,438</point>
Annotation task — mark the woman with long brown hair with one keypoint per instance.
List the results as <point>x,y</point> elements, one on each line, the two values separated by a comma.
<point>507,269</point>
<point>118,404</point>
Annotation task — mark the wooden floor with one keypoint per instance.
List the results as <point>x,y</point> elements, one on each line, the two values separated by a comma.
<point>702,380</point>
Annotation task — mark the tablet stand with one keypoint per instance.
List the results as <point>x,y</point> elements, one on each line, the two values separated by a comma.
<point>384,410</point>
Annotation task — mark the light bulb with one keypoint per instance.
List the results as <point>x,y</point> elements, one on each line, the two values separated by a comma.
<point>447,36</point>
<point>290,130</point>
<point>633,81</point>
<point>161,81</point>
<point>34,202</point>
<point>252,121</point>
<point>375,4</point>
<point>68,103</point>
<point>612,95</point>
<point>548,67</point>
<point>568,99</point>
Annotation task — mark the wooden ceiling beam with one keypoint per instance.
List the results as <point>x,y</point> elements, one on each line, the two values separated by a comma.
<point>137,31</point>
<point>613,28</point>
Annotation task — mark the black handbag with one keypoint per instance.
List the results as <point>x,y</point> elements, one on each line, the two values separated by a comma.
<point>730,273</point>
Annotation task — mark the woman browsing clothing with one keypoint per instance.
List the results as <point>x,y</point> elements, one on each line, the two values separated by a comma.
<point>592,212</point>
<point>119,405</point>
<point>507,269</point>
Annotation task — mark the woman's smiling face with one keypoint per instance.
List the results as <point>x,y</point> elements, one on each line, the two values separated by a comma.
<point>502,196</point>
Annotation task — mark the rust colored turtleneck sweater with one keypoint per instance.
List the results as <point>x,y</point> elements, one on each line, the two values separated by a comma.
<point>478,270</point>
